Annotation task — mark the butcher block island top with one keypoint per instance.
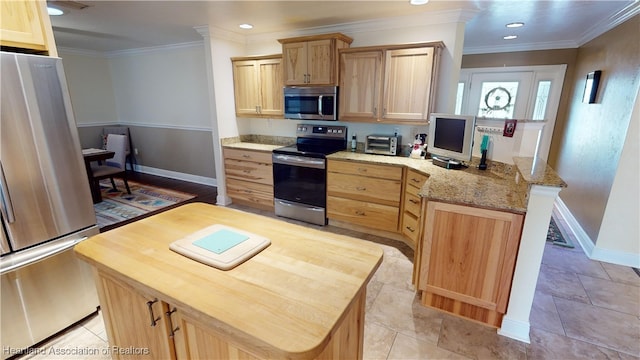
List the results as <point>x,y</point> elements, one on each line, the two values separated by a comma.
<point>294,299</point>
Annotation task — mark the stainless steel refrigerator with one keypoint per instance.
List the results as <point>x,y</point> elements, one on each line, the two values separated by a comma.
<point>45,205</point>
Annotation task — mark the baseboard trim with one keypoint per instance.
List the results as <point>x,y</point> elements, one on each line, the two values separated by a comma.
<point>177,175</point>
<point>515,329</point>
<point>592,251</point>
<point>581,236</point>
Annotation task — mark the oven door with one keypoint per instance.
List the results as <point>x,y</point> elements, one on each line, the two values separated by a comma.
<point>300,179</point>
<point>299,187</point>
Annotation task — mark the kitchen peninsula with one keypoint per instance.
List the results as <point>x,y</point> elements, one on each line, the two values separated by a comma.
<point>301,297</point>
<point>478,235</point>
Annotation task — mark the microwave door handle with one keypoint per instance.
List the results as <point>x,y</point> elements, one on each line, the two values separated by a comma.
<point>6,207</point>
<point>320,105</point>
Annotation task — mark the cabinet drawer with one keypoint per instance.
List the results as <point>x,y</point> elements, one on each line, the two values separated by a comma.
<point>248,155</point>
<point>387,192</point>
<point>412,204</point>
<point>410,227</point>
<point>249,171</point>
<point>415,180</point>
<point>362,213</point>
<point>355,168</point>
<point>248,192</point>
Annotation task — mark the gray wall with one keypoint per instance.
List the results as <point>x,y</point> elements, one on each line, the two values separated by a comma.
<point>179,150</point>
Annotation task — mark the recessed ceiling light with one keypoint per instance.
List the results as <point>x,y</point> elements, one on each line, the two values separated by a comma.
<point>510,37</point>
<point>54,11</point>
<point>515,25</point>
<point>246,26</point>
<point>418,2</point>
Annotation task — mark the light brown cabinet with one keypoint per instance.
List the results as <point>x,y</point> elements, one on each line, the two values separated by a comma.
<point>366,195</point>
<point>467,260</point>
<point>360,85</point>
<point>257,85</point>
<point>135,320</point>
<point>25,26</point>
<point>312,60</point>
<point>411,214</point>
<point>249,177</point>
<point>391,84</point>
<point>141,326</point>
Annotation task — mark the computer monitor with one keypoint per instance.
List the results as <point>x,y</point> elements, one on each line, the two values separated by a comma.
<point>451,136</point>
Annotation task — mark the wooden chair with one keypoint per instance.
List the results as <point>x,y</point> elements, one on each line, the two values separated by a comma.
<point>119,130</point>
<point>114,167</point>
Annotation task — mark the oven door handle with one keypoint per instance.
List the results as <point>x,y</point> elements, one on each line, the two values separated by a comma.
<point>320,105</point>
<point>295,160</point>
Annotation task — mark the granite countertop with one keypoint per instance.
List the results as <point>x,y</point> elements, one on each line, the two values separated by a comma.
<point>252,146</point>
<point>494,188</point>
<point>500,187</point>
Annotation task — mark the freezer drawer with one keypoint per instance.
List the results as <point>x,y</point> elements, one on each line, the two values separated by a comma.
<point>43,298</point>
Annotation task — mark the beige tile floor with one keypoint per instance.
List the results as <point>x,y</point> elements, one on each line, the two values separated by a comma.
<point>583,309</point>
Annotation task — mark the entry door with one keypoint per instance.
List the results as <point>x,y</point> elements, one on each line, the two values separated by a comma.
<point>522,93</point>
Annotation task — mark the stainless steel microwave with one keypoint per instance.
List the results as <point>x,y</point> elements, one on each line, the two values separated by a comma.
<point>311,102</point>
<point>382,144</point>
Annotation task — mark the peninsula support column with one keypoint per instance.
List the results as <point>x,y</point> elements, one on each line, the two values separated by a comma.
<point>515,323</point>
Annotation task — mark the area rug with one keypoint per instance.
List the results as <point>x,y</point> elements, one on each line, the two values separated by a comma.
<point>117,205</point>
<point>555,236</point>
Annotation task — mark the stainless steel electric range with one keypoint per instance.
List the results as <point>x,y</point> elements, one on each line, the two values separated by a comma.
<point>300,175</point>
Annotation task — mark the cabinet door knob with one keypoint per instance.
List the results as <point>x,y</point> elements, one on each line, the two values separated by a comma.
<point>361,188</point>
<point>360,212</point>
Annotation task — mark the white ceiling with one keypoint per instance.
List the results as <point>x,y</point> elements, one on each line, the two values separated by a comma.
<point>108,26</point>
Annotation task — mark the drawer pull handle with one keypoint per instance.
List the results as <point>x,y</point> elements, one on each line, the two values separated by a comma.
<point>152,317</point>
<point>410,228</point>
<point>246,156</point>
<point>173,331</point>
<point>361,213</point>
<point>362,169</point>
<point>361,188</point>
<point>415,180</point>
<point>413,201</point>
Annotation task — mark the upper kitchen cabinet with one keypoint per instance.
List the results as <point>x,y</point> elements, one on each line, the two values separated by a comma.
<point>360,85</point>
<point>25,27</point>
<point>392,84</point>
<point>312,60</point>
<point>257,84</point>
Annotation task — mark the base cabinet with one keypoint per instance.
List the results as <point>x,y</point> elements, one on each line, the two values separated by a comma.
<point>366,195</point>
<point>249,177</point>
<point>136,322</point>
<point>467,260</point>
<point>142,326</point>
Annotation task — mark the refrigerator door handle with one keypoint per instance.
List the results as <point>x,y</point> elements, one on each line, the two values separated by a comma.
<point>6,207</point>
<point>24,258</point>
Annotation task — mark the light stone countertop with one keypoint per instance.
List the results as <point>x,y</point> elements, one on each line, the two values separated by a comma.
<point>252,146</point>
<point>500,187</point>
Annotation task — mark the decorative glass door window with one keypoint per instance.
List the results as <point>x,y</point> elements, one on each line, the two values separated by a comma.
<point>498,99</point>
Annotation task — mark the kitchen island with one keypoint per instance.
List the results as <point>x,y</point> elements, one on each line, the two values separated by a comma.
<point>301,297</point>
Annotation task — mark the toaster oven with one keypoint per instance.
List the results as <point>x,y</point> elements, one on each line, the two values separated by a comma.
<point>382,144</point>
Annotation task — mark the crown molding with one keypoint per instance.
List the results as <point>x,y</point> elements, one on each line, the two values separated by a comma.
<point>207,31</point>
<point>609,23</point>
<point>153,49</point>
<point>82,52</point>
<point>521,47</point>
<point>398,22</point>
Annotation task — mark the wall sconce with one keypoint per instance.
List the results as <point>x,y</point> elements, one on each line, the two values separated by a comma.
<point>591,87</point>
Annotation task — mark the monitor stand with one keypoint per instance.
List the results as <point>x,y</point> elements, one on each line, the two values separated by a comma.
<point>446,163</point>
